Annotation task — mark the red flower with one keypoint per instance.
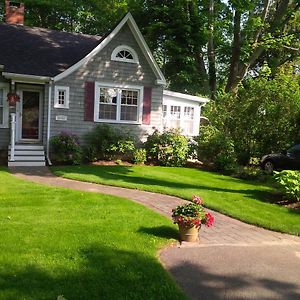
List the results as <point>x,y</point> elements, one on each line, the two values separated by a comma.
<point>209,219</point>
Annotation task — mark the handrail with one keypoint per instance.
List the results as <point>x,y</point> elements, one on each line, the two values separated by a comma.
<point>12,137</point>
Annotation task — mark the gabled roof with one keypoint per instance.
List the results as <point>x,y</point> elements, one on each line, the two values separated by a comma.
<point>128,19</point>
<point>41,52</point>
<point>56,54</point>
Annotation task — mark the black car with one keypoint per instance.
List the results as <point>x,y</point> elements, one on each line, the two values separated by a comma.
<point>287,160</point>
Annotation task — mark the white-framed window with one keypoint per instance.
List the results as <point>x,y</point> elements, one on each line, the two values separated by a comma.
<point>124,53</point>
<point>181,116</point>
<point>61,96</point>
<point>4,108</point>
<point>118,103</point>
<point>188,120</point>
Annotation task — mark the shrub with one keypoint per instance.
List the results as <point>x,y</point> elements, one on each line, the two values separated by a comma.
<point>139,156</point>
<point>251,173</point>
<point>122,150</point>
<point>169,148</point>
<point>217,148</point>
<point>106,142</point>
<point>65,149</point>
<point>99,141</point>
<point>290,183</point>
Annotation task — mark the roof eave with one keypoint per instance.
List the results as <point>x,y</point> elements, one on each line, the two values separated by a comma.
<point>26,78</point>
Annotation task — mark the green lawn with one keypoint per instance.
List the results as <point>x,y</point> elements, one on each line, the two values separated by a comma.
<point>56,241</point>
<point>243,200</point>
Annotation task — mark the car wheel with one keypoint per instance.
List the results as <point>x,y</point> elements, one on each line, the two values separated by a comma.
<point>268,167</point>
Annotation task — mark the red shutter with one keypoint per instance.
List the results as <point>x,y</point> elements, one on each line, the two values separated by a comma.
<point>147,105</point>
<point>89,99</point>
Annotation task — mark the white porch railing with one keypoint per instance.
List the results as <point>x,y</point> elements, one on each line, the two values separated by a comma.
<point>12,136</point>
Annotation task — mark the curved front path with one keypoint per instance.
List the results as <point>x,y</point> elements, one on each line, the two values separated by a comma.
<point>233,260</point>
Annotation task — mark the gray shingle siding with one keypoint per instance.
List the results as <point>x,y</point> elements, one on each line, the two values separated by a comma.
<point>102,69</point>
<point>4,132</point>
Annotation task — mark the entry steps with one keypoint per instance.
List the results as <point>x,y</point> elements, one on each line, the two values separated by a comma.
<point>27,155</point>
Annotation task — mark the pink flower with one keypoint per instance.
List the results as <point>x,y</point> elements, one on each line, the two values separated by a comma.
<point>197,200</point>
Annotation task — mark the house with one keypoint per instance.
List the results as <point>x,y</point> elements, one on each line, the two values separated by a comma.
<point>63,81</point>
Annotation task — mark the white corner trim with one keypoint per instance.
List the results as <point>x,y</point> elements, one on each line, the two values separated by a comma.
<point>181,96</point>
<point>58,88</point>
<point>49,122</point>
<point>5,88</point>
<point>141,41</point>
<point>124,48</point>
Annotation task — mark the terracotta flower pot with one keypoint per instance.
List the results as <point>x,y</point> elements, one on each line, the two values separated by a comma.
<point>188,234</point>
<point>13,98</point>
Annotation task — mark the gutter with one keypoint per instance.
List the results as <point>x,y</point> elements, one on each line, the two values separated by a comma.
<point>49,123</point>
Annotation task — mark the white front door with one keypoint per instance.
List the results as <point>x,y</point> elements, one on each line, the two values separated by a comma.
<point>29,115</point>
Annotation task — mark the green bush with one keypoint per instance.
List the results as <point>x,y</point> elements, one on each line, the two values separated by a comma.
<point>251,173</point>
<point>169,148</point>
<point>104,142</point>
<point>289,181</point>
<point>122,149</point>
<point>263,117</point>
<point>139,156</point>
<point>217,148</point>
<point>65,149</point>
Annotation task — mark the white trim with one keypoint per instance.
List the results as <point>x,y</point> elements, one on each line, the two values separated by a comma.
<point>19,111</point>
<point>134,59</point>
<point>66,89</point>
<point>26,78</point>
<point>139,38</point>
<point>139,88</point>
<point>49,122</point>
<point>5,88</point>
<point>181,96</point>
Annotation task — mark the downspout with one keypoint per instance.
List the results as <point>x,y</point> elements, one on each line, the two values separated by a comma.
<point>49,123</point>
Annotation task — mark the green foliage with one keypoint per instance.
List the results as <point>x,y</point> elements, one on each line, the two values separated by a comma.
<point>217,148</point>
<point>290,183</point>
<point>169,148</point>
<point>65,149</point>
<point>106,142</point>
<point>139,156</point>
<point>253,173</point>
<point>264,117</point>
<point>122,149</point>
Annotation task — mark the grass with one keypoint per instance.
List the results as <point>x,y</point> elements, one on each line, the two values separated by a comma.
<point>244,200</point>
<point>56,241</point>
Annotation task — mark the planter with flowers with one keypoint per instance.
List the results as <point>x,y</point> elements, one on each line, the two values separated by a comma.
<point>190,217</point>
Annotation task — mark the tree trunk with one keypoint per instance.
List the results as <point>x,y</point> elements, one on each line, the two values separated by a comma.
<point>235,53</point>
<point>211,51</point>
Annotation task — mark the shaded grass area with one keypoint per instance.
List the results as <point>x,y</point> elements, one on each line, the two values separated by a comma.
<point>244,200</point>
<point>56,241</point>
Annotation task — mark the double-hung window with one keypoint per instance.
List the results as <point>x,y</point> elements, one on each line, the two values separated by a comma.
<point>118,104</point>
<point>3,108</point>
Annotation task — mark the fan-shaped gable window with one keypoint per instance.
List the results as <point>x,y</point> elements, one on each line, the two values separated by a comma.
<point>125,54</point>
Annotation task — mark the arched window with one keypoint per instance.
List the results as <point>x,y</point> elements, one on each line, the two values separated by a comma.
<point>125,54</point>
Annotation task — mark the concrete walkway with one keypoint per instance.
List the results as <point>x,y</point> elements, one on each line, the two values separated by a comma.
<point>233,260</point>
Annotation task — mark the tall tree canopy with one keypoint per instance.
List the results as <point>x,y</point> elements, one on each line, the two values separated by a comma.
<point>200,45</point>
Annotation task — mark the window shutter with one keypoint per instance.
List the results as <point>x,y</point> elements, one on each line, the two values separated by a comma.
<point>147,105</point>
<point>89,101</point>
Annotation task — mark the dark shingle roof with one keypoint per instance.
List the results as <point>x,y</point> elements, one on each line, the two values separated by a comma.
<point>41,52</point>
